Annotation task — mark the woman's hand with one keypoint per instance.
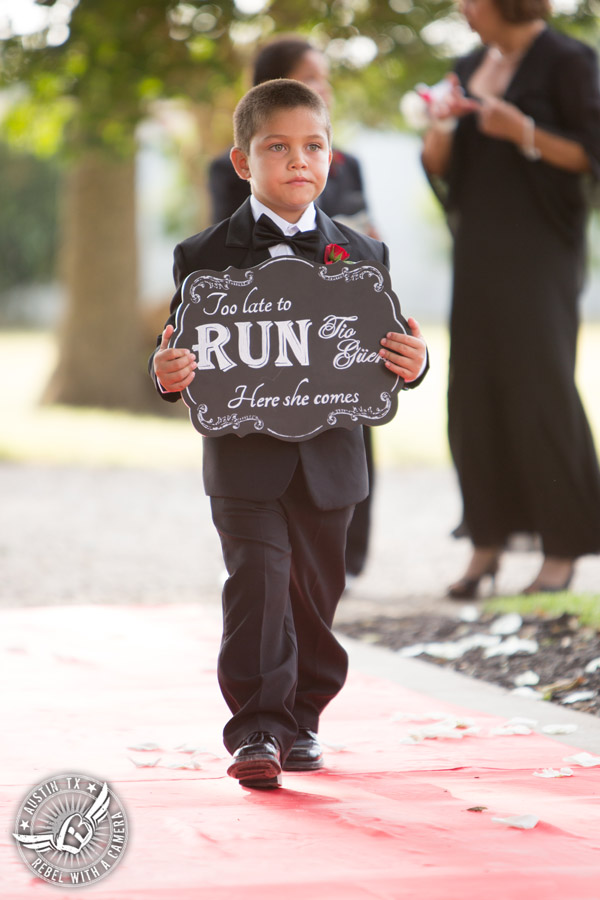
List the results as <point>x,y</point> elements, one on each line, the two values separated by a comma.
<point>437,141</point>
<point>453,104</point>
<point>499,119</point>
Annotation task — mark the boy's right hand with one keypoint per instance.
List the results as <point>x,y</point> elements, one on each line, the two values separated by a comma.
<point>173,366</point>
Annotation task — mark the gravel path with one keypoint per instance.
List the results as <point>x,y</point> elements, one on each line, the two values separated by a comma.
<point>85,535</point>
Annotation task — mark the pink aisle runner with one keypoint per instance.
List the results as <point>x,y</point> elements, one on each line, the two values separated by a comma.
<point>86,688</point>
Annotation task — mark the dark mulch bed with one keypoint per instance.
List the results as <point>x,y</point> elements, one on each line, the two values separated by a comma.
<point>564,650</point>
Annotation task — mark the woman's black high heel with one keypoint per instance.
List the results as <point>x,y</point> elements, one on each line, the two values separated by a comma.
<point>541,588</point>
<point>466,588</point>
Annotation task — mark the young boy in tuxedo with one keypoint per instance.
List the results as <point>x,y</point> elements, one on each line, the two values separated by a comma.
<point>281,508</point>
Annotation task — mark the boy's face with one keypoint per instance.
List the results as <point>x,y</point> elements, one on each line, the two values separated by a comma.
<point>288,161</point>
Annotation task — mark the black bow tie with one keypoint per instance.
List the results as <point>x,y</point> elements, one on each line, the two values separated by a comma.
<point>266,234</point>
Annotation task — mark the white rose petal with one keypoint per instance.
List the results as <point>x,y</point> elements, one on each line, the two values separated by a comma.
<point>413,650</point>
<point>448,727</point>
<point>145,764</point>
<point>587,760</point>
<point>511,646</point>
<point>435,716</point>
<point>559,729</point>
<point>528,692</point>
<point>516,725</point>
<point>508,624</point>
<point>554,773</point>
<point>577,696</point>
<point>518,821</point>
<point>455,649</point>
<point>526,679</point>
<point>469,614</point>
<point>449,650</point>
<point>593,665</point>
<point>432,732</point>
<point>192,764</point>
<point>508,729</point>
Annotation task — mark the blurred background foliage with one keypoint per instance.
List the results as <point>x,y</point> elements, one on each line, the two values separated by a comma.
<point>78,86</point>
<point>91,74</point>
<point>29,189</point>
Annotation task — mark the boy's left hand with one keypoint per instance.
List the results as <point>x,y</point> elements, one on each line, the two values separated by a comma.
<point>405,354</point>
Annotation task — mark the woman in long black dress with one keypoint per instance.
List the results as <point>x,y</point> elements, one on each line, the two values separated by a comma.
<point>527,111</point>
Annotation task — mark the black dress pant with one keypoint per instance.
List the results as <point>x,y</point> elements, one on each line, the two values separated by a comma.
<point>279,663</point>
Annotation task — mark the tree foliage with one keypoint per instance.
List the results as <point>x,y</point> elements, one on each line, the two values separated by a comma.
<point>28,228</point>
<point>99,64</point>
<point>99,71</point>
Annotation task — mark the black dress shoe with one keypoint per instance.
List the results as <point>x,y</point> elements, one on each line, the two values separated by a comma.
<point>306,753</point>
<point>257,762</point>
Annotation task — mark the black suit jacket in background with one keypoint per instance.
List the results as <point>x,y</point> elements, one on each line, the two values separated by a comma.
<point>259,467</point>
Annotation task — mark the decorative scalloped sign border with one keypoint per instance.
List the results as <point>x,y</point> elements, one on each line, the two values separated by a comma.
<point>289,348</point>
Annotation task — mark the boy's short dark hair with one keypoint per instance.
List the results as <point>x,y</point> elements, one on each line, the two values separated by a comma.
<point>263,100</point>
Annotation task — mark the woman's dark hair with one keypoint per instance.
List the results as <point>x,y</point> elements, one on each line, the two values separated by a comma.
<point>519,11</point>
<point>279,58</point>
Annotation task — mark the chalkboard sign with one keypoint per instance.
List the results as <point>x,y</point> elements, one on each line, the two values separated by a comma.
<point>289,348</point>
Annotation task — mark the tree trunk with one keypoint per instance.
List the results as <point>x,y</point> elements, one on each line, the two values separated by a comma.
<point>100,361</point>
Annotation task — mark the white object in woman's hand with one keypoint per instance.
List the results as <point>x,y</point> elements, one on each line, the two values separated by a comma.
<point>447,100</point>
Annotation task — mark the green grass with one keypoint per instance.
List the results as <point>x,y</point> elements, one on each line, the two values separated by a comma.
<point>61,435</point>
<point>586,607</point>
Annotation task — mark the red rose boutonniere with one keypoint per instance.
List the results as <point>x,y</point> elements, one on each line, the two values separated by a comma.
<point>334,253</point>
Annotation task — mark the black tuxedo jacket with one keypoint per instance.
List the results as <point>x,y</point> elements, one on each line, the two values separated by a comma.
<point>259,467</point>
